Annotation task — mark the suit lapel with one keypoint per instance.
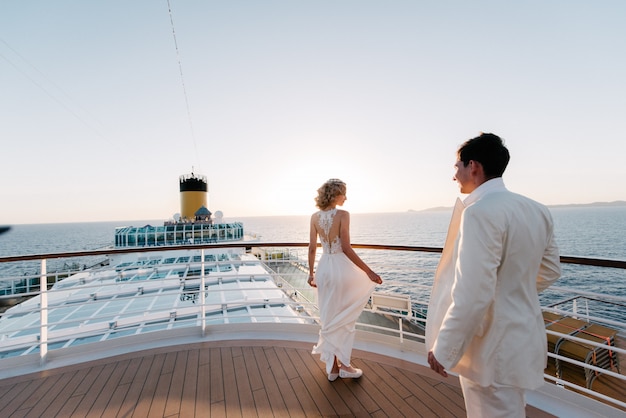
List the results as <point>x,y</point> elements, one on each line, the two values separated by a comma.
<point>441,296</point>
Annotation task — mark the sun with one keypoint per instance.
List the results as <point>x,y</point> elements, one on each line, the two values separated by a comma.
<point>295,193</point>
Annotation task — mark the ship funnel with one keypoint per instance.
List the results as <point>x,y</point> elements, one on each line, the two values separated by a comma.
<point>193,194</point>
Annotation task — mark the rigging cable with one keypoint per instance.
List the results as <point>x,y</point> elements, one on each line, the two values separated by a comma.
<point>182,80</point>
<point>48,93</point>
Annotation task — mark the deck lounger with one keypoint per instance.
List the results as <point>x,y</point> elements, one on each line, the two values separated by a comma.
<point>604,358</point>
<point>400,304</point>
<point>562,325</point>
<point>549,319</point>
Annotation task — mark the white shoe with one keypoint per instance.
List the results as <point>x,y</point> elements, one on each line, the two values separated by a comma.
<point>333,376</point>
<point>350,375</point>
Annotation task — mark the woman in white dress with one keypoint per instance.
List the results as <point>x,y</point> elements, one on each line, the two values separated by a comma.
<point>344,282</point>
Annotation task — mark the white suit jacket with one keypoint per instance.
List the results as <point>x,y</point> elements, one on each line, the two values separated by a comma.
<point>484,318</point>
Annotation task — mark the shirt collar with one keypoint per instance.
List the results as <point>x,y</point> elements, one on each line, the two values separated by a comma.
<point>492,185</point>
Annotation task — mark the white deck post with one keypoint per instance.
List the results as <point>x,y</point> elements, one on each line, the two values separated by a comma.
<point>43,306</point>
<point>202,295</point>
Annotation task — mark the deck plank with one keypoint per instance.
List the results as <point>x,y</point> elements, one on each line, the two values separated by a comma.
<point>203,393</point>
<point>16,399</point>
<point>216,386</point>
<point>100,403</point>
<point>130,372</point>
<point>338,392</point>
<point>9,392</point>
<point>146,395</point>
<point>417,397</point>
<point>69,406</point>
<point>174,394</point>
<point>438,397</point>
<point>47,385</point>
<point>375,392</point>
<point>327,401</point>
<point>232,379</point>
<point>116,400</point>
<point>244,390</point>
<point>396,390</point>
<point>136,385</point>
<point>158,397</point>
<point>254,374</point>
<point>231,393</point>
<point>95,387</point>
<point>272,392</point>
<point>282,368</point>
<point>76,378</point>
<point>189,385</point>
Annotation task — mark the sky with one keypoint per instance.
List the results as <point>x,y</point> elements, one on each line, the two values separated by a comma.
<point>103,105</point>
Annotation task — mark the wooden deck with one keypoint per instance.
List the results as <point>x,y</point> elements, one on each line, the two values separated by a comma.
<point>232,379</point>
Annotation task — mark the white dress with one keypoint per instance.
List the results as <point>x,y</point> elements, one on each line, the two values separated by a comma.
<point>343,290</point>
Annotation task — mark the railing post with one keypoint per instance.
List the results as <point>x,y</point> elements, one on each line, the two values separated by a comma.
<point>43,306</point>
<point>202,298</point>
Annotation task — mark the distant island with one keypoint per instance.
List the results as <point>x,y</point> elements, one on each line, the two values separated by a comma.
<point>588,205</point>
<point>616,203</point>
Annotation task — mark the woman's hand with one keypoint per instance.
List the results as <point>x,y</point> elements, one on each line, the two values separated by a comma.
<point>374,277</point>
<point>311,281</point>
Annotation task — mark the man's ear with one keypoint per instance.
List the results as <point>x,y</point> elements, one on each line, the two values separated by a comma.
<point>476,169</point>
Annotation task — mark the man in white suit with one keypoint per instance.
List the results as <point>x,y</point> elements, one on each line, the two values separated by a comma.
<point>484,318</point>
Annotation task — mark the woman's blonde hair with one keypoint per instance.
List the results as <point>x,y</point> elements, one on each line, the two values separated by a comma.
<point>329,190</point>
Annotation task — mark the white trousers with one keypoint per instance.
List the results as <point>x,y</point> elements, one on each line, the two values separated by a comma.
<point>494,401</point>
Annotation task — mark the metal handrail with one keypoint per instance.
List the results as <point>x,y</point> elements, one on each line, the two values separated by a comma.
<point>589,261</point>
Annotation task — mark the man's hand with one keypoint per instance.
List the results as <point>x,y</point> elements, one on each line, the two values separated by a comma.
<point>435,365</point>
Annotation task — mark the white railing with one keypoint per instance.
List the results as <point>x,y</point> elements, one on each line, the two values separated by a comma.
<point>400,308</point>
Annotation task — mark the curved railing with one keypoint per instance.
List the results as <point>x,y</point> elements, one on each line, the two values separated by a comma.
<point>586,329</point>
<point>598,262</point>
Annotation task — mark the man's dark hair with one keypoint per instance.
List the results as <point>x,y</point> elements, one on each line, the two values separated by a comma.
<point>489,151</point>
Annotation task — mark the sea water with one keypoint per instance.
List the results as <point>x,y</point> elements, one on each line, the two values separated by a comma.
<point>598,232</point>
